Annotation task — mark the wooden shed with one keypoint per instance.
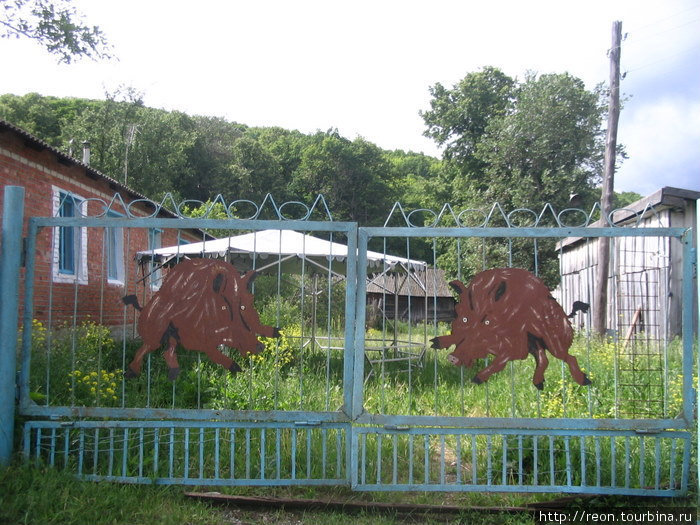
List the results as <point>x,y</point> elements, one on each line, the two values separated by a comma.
<point>645,283</point>
<point>416,295</point>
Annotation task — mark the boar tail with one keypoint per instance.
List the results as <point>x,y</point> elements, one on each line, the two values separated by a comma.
<point>579,306</point>
<point>131,300</point>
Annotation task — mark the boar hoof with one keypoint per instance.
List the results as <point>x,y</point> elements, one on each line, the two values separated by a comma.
<point>476,380</point>
<point>129,373</point>
<point>173,373</point>
<point>234,368</point>
<point>586,381</point>
<point>276,332</point>
<point>539,386</point>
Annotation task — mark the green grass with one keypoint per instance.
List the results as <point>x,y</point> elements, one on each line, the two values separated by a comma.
<point>44,496</point>
<point>34,495</point>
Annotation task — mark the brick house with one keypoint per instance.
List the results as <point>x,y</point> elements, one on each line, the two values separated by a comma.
<point>80,272</point>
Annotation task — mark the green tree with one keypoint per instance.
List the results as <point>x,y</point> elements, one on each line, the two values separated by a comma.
<point>33,113</point>
<point>254,172</point>
<point>353,175</point>
<point>520,144</point>
<point>548,145</point>
<point>105,124</point>
<point>56,25</point>
<point>211,157</point>
<point>458,117</point>
<point>286,146</point>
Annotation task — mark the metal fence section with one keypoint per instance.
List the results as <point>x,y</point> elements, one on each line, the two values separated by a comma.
<point>504,460</point>
<point>193,452</point>
<point>433,428</point>
<point>355,391</point>
<point>281,419</point>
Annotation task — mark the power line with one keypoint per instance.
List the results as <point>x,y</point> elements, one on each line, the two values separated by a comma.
<point>657,22</point>
<point>636,39</point>
<point>654,62</point>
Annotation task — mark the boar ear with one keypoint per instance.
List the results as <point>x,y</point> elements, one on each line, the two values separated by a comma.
<point>247,279</point>
<point>500,291</point>
<point>218,282</point>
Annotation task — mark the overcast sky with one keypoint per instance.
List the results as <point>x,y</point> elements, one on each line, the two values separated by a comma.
<point>365,67</point>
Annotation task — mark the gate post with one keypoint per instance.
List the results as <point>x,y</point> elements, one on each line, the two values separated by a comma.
<point>10,260</point>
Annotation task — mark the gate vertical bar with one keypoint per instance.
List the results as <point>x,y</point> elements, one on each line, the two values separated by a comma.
<point>687,327</point>
<point>697,298</point>
<point>10,260</point>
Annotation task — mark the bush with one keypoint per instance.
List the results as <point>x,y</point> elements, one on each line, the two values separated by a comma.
<point>74,364</point>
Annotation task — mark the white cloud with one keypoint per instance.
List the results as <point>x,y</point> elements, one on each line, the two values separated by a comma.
<point>661,138</point>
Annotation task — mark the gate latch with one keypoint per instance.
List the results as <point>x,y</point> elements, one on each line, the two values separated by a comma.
<point>397,427</point>
<point>646,432</point>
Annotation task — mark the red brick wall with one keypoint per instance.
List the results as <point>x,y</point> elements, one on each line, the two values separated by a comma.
<point>38,170</point>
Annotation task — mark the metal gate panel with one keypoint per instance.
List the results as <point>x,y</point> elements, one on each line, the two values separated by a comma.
<point>31,408</point>
<point>200,453</point>
<point>420,446</point>
<point>89,419</point>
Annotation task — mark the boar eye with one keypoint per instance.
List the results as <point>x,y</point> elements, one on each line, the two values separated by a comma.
<point>487,322</point>
<point>464,319</point>
<point>242,307</point>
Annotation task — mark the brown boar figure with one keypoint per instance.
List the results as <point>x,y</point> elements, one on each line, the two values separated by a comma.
<point>510,313</point>
<point>202,303</point>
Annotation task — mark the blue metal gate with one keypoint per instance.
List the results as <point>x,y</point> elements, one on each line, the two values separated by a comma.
<point>334,401</point>
<point>621,435</point>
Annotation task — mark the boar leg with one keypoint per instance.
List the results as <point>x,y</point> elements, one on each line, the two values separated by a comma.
<point>171,359</point>
<point>576,373</point>
<point>498,364</point>
<point>560,351</point>
<point>220,359</point>
<point>134,368</point>
<point>445,341</point>
<point>536,346</point>
<point>542,363</point>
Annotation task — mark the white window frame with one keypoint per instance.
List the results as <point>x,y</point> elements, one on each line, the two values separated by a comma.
<point>155,241</point>
<point>80,274</point>
<point>114,254</point>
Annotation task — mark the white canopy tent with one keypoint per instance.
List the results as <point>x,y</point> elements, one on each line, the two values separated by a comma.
<point>266,249</point>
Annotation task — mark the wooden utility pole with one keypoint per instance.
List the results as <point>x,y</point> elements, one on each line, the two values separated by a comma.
<point>600,299</point>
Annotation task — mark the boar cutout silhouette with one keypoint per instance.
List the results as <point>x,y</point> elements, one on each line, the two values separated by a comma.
<point>202,304</point>
<point>510,313</point>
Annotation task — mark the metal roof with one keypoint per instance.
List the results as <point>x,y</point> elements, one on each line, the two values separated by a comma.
<point>430,280</point>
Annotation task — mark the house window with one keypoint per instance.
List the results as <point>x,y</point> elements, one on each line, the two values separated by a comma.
<point>114,252</point>
<point>155,239</point>
<point>70,242</point>
<point>66,236</point>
